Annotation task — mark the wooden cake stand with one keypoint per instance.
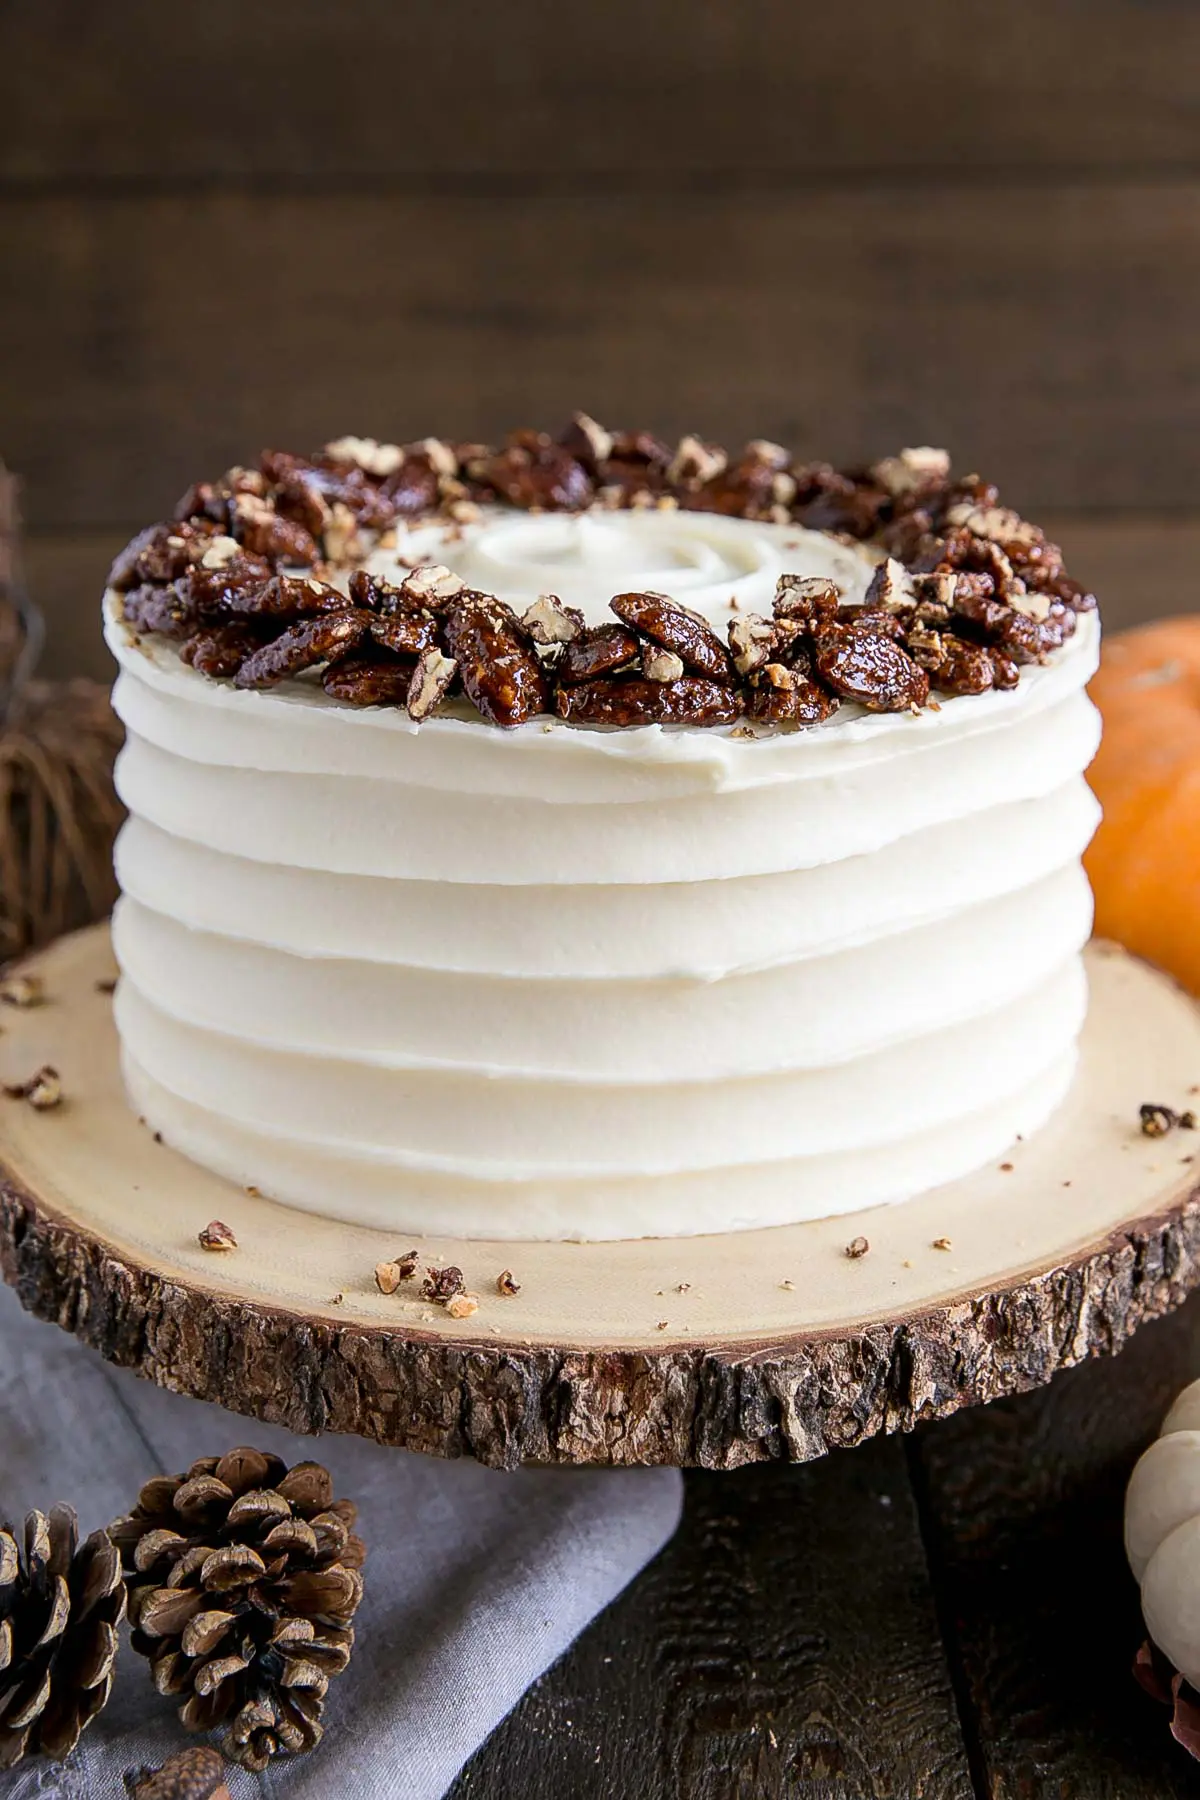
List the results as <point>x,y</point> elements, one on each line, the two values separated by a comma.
<point>714,1350</point>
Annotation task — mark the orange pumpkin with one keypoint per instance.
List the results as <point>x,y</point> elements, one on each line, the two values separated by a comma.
<point>1144,862</point>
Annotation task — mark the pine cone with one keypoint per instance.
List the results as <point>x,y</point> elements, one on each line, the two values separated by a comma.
<point>196,1774</point>
<point>244,1576</point>
<point>60,1606</point>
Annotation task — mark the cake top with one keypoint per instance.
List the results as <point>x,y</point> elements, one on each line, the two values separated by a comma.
<point>780,590</point>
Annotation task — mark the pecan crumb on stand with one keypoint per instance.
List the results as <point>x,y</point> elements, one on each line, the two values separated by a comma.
<point>443,1285</point>
<point>507,1284</point>
<point>1156,1120</point>
<point>43,1090</point>
<point>216,1235</point>
<point>22,990</point>
<point>857,1247</point>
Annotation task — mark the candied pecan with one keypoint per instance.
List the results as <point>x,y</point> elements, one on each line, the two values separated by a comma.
<point>369,681</point>
<point>415,487</point>
<point>430,682</point>
<point>220,650</point>
<point>676,628</point>
<point>962,668</point>
<point>1028,640</point>
<point>268,533</point>
<point>636,464</point>
<point>549,622</point>
<point>600,650</point>
<point>871,668</point>
<point>1005,673</point>
<point>500,670</point>
<point>443,1284</point>
<point>1073,593</point>
<point>586,441</point>
<point>205,500</point>
<point>161,552</point>
<point>228,587</point>
<point>303,646</point>
<point>756,486</point>
<point>783,696</point>
<point>285,597</point>
<point>986,614</point>
<point>876,619</point>
<point>826,501</point>
<point>166,610</point>
<point>533,471</point>
<point>632,700</point>
<point>406,633</point>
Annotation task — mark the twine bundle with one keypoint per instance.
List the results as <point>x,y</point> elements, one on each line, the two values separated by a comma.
<point>58,809</point>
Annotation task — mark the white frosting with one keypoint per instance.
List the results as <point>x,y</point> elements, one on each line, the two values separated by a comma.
<point>570,982</point>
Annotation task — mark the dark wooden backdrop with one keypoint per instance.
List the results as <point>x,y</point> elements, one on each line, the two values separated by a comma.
<point>844,227</point>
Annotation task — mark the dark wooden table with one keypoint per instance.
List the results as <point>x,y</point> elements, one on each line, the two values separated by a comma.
<point>947,1615</point>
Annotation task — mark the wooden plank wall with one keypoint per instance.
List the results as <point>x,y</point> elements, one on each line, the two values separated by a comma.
<point>842,227</point>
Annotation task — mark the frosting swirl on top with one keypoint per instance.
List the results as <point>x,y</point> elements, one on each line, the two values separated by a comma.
<point>704,560</point>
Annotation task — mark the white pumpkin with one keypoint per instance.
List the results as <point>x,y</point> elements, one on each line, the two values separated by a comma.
<point>1162,1534</point>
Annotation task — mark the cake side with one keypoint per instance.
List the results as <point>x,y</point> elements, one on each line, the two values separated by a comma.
<point>565,981</point>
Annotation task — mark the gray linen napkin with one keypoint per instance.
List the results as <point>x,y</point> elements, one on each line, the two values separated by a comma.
<point>475,1581</point>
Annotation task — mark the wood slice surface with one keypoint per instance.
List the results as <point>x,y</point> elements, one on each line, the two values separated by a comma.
<point>716,1351</point>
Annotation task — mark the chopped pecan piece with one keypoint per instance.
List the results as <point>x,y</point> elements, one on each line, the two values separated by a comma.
<point>548,621</point>
<point>598,651</point>
<point>753,640</point>
<point>676,628</point>
<point>432,585</point>
<point>696,463</point>
<point>586,441</point>
<point>912,471</point>
<point>1005,673</point>
<point>368,680</point>
<point>890,587</point>
<point>430,683</point>
<point>871,668</point>
<point>499,668</point>
<point>636,465</point>
<point>303,646</point>
<point>220,650</point>
<point>810,599</point>
<point>632,700</point>
<point>959,667</point>
<point>661,665</point>
<point>372,457</point>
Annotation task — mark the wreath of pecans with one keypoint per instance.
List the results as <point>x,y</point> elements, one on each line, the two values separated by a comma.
<point>245,579</point>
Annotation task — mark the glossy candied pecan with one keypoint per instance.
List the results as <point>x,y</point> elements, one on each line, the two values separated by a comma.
<point>499,667</point>
<point>304,646</point>
<point>406,633</point>
<point>955,666</point>
<point>285,597</point>
<point>871,668</point>
<point>633,700</point>
<point>165,609</point>
<point>369,681</point>
<point>780,695</point>
<point>755,486</point>
<point>753,641</point>
<point>601,650</point>
<point>218,590</point>
<point>637,463</point>
<point>220,650</point>
<point>1062,587</point>
<point>1005,672</point>
<point>268,533</point>
<point>161,552</point>
<point>676,628</point>
<point>1029,640</point>
<point>432,585</point>
<point>533,471</point>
